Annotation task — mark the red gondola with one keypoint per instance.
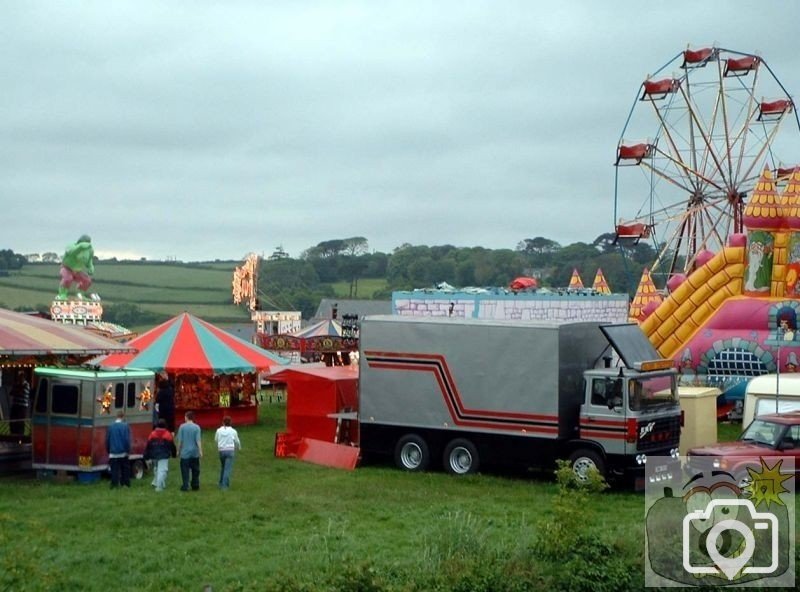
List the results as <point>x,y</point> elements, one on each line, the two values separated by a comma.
<point>783,173</point>
<point>774,110</point>
<point>655,90</point>
<point>698,58</point>
<point>635,230</point>
<point>633,152</point>
<point>741,66</point>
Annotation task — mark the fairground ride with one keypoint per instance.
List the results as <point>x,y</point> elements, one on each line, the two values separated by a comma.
<point>692,149</point>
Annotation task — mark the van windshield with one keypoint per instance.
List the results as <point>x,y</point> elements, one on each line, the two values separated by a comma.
<point>648,392</point>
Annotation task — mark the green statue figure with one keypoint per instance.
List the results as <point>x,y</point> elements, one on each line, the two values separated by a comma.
<point>77,267</point>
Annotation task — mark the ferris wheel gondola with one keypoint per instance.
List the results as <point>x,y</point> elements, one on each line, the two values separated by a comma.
<point>692,149</point>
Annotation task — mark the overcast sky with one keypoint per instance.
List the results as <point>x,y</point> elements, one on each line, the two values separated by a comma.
<point>205,130</point>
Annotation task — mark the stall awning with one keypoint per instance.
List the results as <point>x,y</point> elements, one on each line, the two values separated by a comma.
<point>23,335</point>
<point>187,344</point>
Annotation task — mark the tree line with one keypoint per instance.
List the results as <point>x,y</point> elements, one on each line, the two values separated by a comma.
<point>300,283</point>
<point>287,283</point>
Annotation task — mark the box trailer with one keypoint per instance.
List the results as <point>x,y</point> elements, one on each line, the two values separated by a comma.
<point>469,391</point>
<point>72,411</point>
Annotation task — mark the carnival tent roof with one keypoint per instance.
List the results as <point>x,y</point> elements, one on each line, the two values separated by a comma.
<point>324,328</point>
<point>326,336</point>
<point>27,335</point>
<point>188,344</point>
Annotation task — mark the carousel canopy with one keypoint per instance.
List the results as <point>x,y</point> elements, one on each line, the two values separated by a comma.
<point>188,344</point>
<point>326,336</point>
<point>27,335</point>
<point>325,328</point>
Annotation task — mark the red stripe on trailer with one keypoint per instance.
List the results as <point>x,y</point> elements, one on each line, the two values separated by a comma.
<point>508,426</point>
<point>602,434</point>
<point>483,418</point>
<point>451,382</point>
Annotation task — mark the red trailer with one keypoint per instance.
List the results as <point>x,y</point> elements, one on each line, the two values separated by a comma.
<point>73,409</point>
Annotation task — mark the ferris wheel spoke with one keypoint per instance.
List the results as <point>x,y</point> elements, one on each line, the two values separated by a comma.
<point>683,168</point>
<point>751,111</point>
<point>689,173</point>
<point>750,171</point>
<point>705,136</point>
<point>713,231</point>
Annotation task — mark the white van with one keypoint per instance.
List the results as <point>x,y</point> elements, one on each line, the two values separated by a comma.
<point>760,396</point>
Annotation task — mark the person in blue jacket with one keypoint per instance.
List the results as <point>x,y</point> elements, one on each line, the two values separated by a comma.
<point>118,446</point>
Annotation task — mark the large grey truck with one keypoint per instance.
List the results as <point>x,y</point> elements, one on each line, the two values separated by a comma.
<point>468,391</point>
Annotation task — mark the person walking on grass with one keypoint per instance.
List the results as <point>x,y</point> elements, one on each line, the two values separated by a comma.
<point>165,403</point>
<point>118,446</point>
<point>160,448</point>
<point>190,451</point>
<point>227,440</point>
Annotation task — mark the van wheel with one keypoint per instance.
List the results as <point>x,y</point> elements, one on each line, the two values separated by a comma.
<point>583,462</point>
<point>137,469</point>
<point>461,457</point>
<point>412,453</point>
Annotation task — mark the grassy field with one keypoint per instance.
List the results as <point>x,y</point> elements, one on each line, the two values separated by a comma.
<point>288,525</point>
<point>365,289</point>
<point>291,526</point>
<point>203,290</point>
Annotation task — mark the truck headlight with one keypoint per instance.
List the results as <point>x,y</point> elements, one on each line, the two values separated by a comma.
<point>716,463</point>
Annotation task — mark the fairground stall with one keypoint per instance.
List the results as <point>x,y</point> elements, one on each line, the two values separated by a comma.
<point>26,342</point>
<point>214,373</point>
<point>321,411</point>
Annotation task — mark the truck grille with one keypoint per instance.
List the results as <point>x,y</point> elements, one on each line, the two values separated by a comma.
<point>665,433</point>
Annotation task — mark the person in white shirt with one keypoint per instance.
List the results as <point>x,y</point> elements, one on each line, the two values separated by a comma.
<point>227,440</point>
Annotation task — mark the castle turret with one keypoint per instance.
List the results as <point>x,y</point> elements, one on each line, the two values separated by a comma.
<point>575,282</point>
<point>647,298</point>
<point>764,209</point>
<point>788,282</point>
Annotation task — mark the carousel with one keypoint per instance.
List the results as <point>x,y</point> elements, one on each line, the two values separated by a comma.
<point>215,373</point>
<point>329,341</point>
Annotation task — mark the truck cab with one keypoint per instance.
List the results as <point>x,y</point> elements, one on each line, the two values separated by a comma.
<point>630,411</point>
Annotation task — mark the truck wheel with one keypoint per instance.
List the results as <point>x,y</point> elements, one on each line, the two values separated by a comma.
<point>412,453</point>
<point>583,461</point>
<point>461,457</point>
<point>137,469</point>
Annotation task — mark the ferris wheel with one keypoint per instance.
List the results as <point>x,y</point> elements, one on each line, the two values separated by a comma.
<point>692,149</point>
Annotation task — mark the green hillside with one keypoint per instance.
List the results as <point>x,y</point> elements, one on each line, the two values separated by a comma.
<point>159,288</point>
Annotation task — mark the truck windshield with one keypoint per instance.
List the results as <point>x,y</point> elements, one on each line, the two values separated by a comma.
<point>647,392</point>
<point>763,432</point>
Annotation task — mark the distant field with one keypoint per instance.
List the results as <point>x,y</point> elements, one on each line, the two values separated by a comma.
<point>365,289</point>
<point>168,289</point>
<point>161,288</point>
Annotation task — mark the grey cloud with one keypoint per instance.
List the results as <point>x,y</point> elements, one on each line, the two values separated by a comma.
<point>243,125</point>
